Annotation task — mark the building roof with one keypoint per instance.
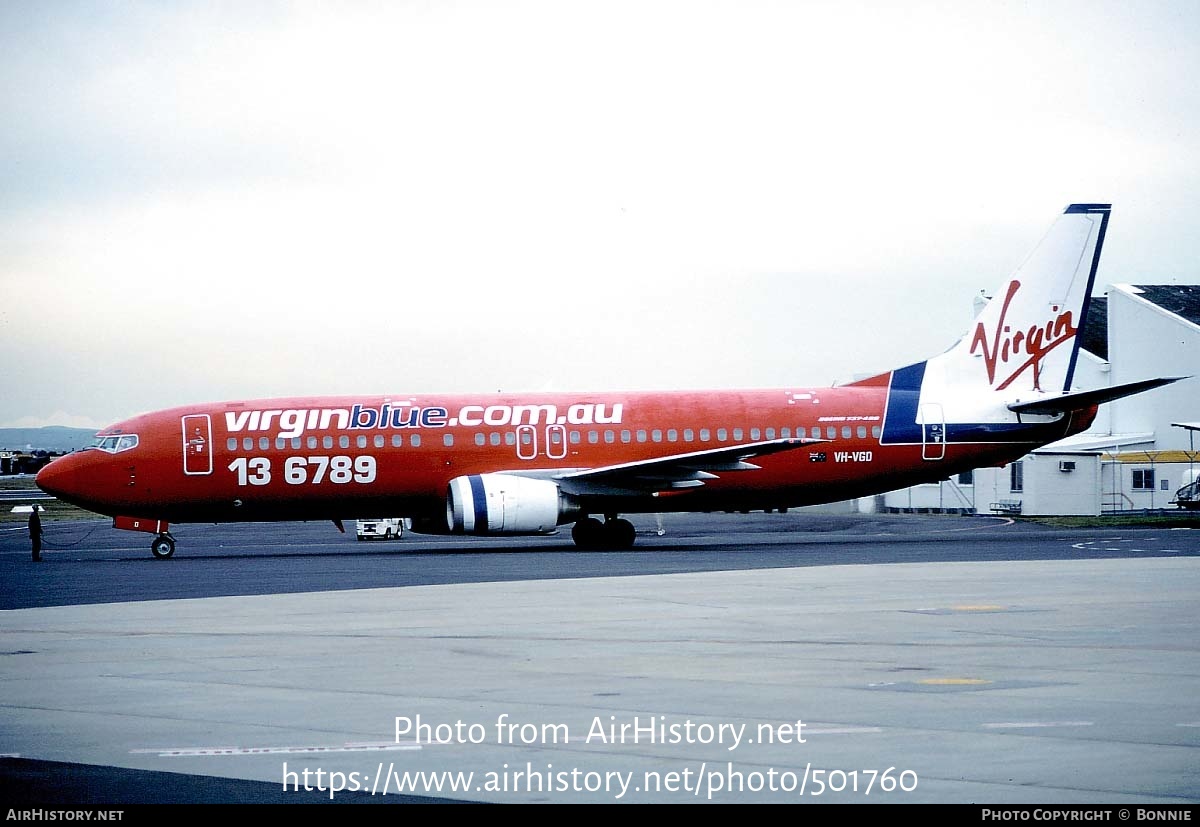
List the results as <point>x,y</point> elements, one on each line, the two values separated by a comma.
<point>1181,299</point>
<point>1086,442</point>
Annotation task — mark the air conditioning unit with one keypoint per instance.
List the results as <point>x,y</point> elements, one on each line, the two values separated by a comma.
<point>1066,465</point>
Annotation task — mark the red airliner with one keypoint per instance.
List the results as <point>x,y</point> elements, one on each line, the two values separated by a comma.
<point>510,464</point>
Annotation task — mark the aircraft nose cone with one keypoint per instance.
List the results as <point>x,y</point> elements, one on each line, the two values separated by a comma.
<point>62,478</point>
<point>54,478</point>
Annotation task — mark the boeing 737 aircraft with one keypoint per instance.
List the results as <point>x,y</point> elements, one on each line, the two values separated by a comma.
<point>523,464</point>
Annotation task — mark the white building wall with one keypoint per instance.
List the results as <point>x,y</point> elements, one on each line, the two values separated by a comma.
<point>991,485</point>
<point>1116,480</point>
<point>1146,342</point>
<point>1046,491</point>
<point>948,495</point>
<point>1050,491</point>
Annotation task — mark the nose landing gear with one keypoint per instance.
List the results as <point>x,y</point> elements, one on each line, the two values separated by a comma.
<point>163,546</point>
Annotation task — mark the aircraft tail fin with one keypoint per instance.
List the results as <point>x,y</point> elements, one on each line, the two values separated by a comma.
<point>1025,340</point>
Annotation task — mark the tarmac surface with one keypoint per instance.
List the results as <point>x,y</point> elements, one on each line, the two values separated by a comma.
<point>735,658</point>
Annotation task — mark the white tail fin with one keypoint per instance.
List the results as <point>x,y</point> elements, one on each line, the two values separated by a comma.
<point>1025,341</point>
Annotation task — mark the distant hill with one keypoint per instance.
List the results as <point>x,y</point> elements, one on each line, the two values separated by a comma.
<point>54,438</point>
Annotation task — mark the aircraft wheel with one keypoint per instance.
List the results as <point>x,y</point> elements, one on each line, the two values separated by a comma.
<point>387,535</point>
<point>619,534</point>
<point>162,547</point>
<point>588,533</point>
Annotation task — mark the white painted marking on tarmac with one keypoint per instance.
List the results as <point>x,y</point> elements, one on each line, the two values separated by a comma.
<point>175,752</point>
<point>1035,724</point>
<point>1004,521</point>
<point>846,730</point>
<point>1190,723</point>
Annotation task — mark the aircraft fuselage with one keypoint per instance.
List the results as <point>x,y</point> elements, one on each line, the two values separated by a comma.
<point>348,457</point>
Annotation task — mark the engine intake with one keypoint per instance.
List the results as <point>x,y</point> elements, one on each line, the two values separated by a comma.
<point>505,504</point>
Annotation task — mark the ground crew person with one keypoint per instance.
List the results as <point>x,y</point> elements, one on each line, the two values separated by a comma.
<point>35,534</point>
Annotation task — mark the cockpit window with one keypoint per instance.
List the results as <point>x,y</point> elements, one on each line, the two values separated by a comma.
<point>115,444</point>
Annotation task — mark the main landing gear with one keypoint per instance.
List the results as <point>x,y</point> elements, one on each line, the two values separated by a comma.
<point>163,546</point>
<point>614,534</point>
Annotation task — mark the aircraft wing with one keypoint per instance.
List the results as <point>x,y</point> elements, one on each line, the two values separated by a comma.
<point>675,472</point>
<point>1067,402</point>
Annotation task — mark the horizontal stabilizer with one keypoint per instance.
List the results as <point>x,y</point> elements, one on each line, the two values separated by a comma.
<point>1067,402</point>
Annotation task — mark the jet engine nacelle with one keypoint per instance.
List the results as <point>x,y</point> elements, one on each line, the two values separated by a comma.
<point>505,504</point>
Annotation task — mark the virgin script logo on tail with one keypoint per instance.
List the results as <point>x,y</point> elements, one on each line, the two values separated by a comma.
<point>1002,346</point>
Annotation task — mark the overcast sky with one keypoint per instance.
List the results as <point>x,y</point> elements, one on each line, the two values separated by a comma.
<point>229,200</point>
